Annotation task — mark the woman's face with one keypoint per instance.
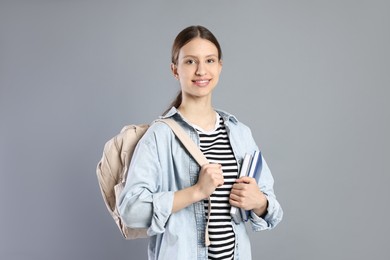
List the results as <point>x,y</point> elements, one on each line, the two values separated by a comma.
<point>198,68</point>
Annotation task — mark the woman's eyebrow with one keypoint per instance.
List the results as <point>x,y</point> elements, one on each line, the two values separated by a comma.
<point>194,56</point>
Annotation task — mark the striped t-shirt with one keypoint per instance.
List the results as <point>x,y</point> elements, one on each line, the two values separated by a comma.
<point>216,147</point>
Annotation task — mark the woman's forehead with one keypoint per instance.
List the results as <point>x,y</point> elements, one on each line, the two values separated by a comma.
<point>199,47</point>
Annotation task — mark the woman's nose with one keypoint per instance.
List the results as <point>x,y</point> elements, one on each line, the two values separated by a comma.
<point>200,71</point>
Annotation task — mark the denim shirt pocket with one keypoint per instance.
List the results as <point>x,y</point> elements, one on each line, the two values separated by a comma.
<point>194,172</point>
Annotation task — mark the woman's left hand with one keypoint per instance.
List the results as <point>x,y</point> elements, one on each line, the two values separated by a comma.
<point>246,194</point>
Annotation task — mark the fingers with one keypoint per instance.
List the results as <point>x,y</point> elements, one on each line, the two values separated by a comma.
<point>246,194</point>
<point>212,166</point>
<point>236,200</point>
<point>246,179</point>
<point>210,178</point>
<point>214,172</point>
<point>242,188</point>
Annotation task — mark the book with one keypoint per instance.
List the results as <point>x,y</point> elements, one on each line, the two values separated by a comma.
<point>256,166</point>
<point>254,172</point>
<point>234,211</point>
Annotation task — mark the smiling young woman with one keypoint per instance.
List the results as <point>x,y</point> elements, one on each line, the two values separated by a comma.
<point>198,68</point>
<point>169,194</point>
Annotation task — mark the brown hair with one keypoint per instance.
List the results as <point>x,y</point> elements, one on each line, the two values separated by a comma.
<point>185,36</point>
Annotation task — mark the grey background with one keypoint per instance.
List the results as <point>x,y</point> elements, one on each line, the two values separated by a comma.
<point>311,79</point>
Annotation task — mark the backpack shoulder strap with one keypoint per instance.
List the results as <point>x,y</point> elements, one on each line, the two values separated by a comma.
<point>191,147</point>
<point>199,157</point>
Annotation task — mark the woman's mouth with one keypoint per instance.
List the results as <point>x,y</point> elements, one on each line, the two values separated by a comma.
<point>201,82</point>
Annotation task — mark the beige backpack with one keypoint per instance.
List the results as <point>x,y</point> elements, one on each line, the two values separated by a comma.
<point>112,168</point>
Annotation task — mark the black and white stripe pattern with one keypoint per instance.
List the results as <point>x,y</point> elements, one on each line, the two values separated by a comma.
<point>216,147</point>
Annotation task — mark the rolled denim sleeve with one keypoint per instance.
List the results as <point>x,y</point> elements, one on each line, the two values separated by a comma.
<point>162,209</point>
<point>274,211</point>
<point>142,204</point>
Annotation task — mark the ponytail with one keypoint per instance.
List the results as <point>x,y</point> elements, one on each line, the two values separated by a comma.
<point>176,102</point>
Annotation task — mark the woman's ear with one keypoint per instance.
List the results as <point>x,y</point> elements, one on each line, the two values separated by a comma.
<point>174,70</point>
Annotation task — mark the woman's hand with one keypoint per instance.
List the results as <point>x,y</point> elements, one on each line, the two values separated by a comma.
<point>210,177</point>
<point>246,194</point>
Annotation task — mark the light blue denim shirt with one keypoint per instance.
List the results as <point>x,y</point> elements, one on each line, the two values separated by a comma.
<point>159,167</point>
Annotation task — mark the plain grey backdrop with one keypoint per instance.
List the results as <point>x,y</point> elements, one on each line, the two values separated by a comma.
<point>311,79</point>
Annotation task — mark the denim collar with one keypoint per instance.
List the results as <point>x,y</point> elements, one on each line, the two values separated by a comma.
<point>173,112</point>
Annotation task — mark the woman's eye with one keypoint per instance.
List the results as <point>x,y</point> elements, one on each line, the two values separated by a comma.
<point>210,61</point>
<point>190,62</point>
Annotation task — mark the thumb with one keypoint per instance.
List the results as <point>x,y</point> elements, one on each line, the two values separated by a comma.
<point>245,179</point>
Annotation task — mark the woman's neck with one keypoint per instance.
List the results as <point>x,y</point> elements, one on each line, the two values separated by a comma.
<point>202,115</point>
